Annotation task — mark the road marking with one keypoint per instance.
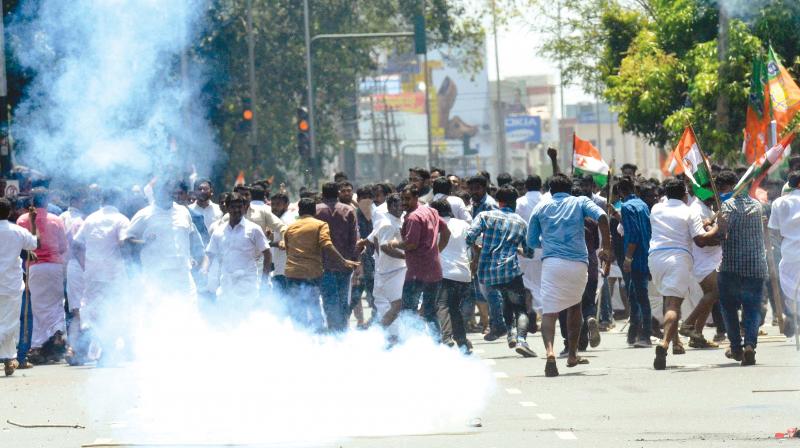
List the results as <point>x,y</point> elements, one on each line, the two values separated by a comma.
<point>527,404</point>
<point>513,391</point>
<point>545,416</point>
<point>566,435</point>
<point>489,362</point>
<point>478,350</point>
<point>500,375</point>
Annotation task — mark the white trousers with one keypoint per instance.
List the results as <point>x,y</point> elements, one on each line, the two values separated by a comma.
<point>9,325</point>
<point>46,284</point>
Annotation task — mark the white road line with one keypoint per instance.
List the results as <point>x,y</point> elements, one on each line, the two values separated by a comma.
<point>545,416</point>
<point>478,350</point>
<point>566,435</point>
<point>513,391</point>
<point>489,362</point>
<point>500,375</point>
<point>527,404</point>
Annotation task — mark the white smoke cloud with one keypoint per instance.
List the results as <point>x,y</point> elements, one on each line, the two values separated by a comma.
<point>108,100</point>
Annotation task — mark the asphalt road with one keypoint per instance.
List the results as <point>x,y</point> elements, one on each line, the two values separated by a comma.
<point>618,400</point>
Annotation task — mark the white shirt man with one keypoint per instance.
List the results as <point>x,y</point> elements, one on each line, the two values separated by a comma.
<point>785,220</point>
<point>279,255</point>
<point>708,258</point>
<point>167,235</point>
<point>13,240</point>
<point>210,213</point>
<point>101,237</point>
<point>390,271</point>
<point>457,206</point>
<point>238,249</point>
<point>531,267</point>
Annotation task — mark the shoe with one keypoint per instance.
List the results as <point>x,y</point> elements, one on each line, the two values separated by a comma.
<point>749,356</point>
<point>594,332</point>
<point>10,365</point>
<point>735,355</point>
<point>762,332</point>
<point>550,368</point>
<point>686,330</point>
<point>24,365</point>
<point>678,349</point>
<point>788,327</point>
<point>660,363</point>
<point>493,336</point>
<point>564,353</point>
<point>643,343</point>
<point>656,333</point>
<point>702,343</point>
<point>512,340</point>
<point>719,337</point>
<point>631,334</point>
<point>525,351</point>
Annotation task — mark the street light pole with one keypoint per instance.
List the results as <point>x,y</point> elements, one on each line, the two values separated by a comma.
<point>252,76</point>
<point>501,146</point>
<point>310,95</point>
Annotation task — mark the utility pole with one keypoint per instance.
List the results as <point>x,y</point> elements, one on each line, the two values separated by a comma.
<point>5,144</point>
<point>722,56</point>
<point>252,75</point>
<point>501,145</point>
<point>310,94</point>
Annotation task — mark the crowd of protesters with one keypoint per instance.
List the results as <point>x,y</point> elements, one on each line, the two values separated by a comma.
<point>501,257</point>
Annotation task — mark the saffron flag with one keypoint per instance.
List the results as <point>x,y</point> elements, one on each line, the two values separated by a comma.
<point>687,159</point>
<point>765,165</point>
<point>586,159</point>
<point>756,130</point>
<point>784,94</point>
<point>239,179</point>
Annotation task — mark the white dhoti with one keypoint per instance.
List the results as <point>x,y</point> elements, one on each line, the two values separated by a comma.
<point>46,284</point>
<point>239,286</point>
<point>10,306</point>
<point>75,284</point>
<point>672,272</point>
<point>532,278</point>
<point>176,283</point>
<point>790,280</point>
<point>389,286</point>
<point>563,282</point>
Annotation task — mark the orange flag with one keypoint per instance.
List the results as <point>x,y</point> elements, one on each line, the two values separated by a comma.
<point>783,92</point>
<point>756,131</point>
<point>239,179</point>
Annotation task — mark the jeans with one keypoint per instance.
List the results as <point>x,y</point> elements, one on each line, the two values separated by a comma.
<point>432,303</point>
<point>641,315</point>
<point>452,293</point>
<point>25,328</point>
<point>335,290</point>
<point>495,300</point>
<point>736,291</point>
<point>304,308</point>
<point>514,309</point>
<point>606,311</point>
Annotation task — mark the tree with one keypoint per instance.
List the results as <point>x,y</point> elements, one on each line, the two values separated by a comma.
<point>657,62</point>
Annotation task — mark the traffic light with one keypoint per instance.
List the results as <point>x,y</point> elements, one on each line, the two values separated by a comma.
<point>303,137</point>
<point>247,115</point>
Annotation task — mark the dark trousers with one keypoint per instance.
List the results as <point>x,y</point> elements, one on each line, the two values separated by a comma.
<point>432,304</point>
<point>335,288</point>
<point>515,311</point>
<point>641,314</point>
<point>304,309</point>
<point>736,291</point>
<point>25,328</point>
<point>452,293</point>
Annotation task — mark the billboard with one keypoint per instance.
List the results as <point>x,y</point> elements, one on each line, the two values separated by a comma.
<point>523,129</point>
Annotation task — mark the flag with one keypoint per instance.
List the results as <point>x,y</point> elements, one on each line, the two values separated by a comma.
<point>784,93</point>
<point>687,159</point>
<point>239,179</point>
<point>766,164</point>
<point>586,159</point>
<point>756,129</point>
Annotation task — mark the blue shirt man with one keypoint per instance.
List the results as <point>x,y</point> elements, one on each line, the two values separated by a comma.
<point>636,224</point>
<point>561,220</point>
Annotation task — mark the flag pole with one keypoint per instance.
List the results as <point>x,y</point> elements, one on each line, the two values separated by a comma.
<point>708,167</point>
<point>572,160</point>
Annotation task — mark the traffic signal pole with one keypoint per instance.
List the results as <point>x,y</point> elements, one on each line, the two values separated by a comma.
<point>253,88</point>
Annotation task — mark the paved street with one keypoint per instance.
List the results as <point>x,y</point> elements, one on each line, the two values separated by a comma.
<point>702,399</point>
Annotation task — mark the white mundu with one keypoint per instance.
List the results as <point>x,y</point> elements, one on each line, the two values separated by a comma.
<point>670,260</point>
<point>238,250</point>
<point>706,259</point>
<point>13,240</point>
<point>785,218</point>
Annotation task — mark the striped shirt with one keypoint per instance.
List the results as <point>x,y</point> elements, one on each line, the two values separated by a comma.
<point>743,249</point>
<point>503,232</point>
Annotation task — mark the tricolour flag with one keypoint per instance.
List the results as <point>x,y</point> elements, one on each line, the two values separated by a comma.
<point>687,159</point>
<point>586,159</point>
<point>756,131</point>
<point>765,165</point>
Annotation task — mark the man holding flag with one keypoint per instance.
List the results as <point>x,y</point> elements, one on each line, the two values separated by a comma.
<point>784,221</point>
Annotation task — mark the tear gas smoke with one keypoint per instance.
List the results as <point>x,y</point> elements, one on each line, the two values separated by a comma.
<point>107,102</point>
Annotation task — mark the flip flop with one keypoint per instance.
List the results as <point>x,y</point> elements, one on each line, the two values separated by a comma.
<point>579,360</point>
<point>550,367</point>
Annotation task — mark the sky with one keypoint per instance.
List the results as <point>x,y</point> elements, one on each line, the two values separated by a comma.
<point>519,57</point>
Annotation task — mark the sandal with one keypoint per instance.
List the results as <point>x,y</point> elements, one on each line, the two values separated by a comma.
<point>578,360</point>
<point>550,367</point>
